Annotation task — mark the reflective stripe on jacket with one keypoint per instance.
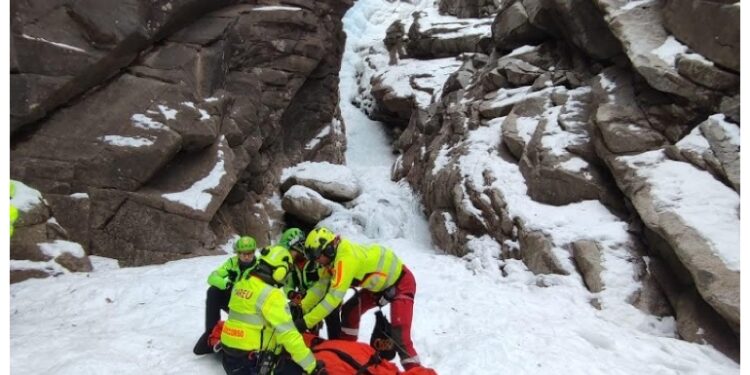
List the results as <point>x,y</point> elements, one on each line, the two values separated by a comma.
<point>220,276</point>
<point>374,268</point>
<point>259,320</point>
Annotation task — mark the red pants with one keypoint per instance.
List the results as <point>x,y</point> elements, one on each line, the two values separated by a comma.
<point>402,310</point>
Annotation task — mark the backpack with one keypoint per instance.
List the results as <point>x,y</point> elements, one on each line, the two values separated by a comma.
<point>349,357</point>
<point>382,337</point>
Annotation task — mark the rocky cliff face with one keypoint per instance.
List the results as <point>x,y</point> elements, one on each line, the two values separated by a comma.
<point>156,129</point>
<point>590,133</point>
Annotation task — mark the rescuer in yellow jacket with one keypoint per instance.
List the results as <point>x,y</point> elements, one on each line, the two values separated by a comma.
<point>220,283</point>
<point>382,278</point>
<point>260,325</point>
<point>304,277</point>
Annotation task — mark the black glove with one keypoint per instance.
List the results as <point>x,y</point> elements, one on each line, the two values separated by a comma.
<point>296,311</point>
<point>300,324</point>
<point>387,296</point>
<point>320,368</point>
<point>231,275</point>
<point>229,285</point>
<point>295,297</point>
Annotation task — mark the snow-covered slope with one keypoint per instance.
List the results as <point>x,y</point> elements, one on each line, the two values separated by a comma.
<point>468,318</point>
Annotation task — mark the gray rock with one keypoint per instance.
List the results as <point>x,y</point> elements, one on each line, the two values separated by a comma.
<point>195,186</point>
<point>581,24</point>
<point>16,276</point>
<point>725,146</point>
<point>99,151</point>
<point>730,107</point>
<point>719,37</point>
<point>138,234</point>
<point>92,41</point>
<point>306,204</point>
<point>73,214</point>
<point>587,256</point>
<point>696,320</point>
<point>512,28</point>
<point>553,174</point>
<point>23,244</point>
<point>443,41</point>
<point>718,284</point>
<point>74,263</point>
<point>536,252</point>
<point>649,47</point>
<point>392,107</point>
<point>267,82</point>
<point>338,184</point>
<point>468,8</point>
<point>446,234</point>
<point>520,73</point>
<point>521,123</point>
<point>704,73</point>
<point>625,129</point>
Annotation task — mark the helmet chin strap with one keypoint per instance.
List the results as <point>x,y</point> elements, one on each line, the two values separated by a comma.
<point>265,273</point>
<point>333,246</point>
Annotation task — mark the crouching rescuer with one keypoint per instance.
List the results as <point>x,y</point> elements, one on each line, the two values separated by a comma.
<point>260,325</point>
<point>381,277</point>
<point>220,283</point>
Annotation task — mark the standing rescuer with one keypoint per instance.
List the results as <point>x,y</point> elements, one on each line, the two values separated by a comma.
<point>260,324</point>
<point>382,278</point>
<point>220,287</point>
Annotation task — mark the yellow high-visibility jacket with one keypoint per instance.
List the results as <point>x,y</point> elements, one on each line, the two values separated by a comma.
<point>228,272</point>
<point>259,320</point>
<point>374,268</point>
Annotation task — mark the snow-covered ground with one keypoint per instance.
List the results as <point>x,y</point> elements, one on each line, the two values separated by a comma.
<point>468,318</point>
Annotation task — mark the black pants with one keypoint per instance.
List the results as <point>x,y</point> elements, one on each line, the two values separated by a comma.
<point>244,365</point>
<point>239,365</point>
<point>287,366</point>
<point>216,300</point>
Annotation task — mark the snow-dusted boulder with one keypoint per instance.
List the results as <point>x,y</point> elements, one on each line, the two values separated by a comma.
<point>449,38</point>
<point>306,204</point>
<point>554,173</point>
<point>718,38</point>
<point>333,181</point>
<point>179,204</point>
<point>536,252</point>
<point>468,8</point>
<point>446,234</point>
<point>462,78</point>
<point>713,146</point>
<point>703,72</point>
<point>696,215</point>
<point>623,125</point>
<point>724,139</point>
<point>39,246</point>
<point>521,123</point>
<point>398,89</point>
<point>54,258</point>
<point>72,212</point>
<point>651,49</point>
